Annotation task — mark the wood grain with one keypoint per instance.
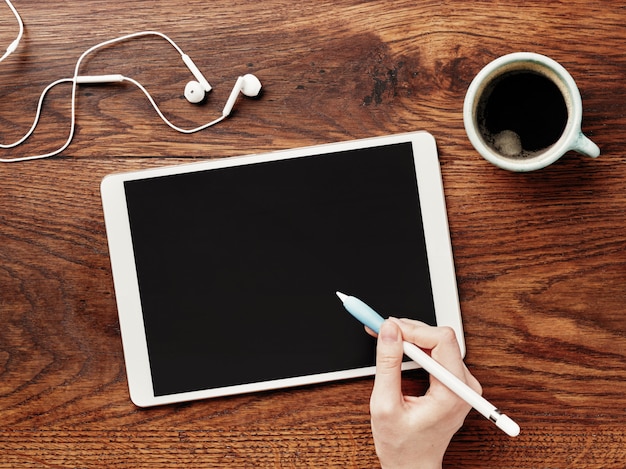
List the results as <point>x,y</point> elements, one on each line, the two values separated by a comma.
<point>540,258</point>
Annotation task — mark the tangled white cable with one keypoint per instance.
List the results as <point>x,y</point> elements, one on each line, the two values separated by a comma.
<point>195,91</point>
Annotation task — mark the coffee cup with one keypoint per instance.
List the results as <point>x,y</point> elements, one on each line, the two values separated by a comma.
<point>523,111</point>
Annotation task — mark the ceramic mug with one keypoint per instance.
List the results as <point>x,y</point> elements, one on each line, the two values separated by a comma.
<point>523,111</point>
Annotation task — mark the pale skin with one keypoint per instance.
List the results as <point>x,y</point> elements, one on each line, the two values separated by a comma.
<point>413,432</point>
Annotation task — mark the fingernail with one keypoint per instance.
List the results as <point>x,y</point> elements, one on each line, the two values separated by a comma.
<point>389,333</point>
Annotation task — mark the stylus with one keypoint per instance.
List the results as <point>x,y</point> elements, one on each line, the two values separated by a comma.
<point>373,320</point>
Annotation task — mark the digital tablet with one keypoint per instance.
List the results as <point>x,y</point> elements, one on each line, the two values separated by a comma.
<point>225,271</point>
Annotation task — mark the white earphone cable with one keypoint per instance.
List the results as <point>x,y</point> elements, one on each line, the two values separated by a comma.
<point>15,43</point>
<point>158,111</point>
<point>37,114</point>
<point>74,82</point>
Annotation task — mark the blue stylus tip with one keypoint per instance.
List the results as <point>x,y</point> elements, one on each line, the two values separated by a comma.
<point>361,311</point>
<point>343,297</point>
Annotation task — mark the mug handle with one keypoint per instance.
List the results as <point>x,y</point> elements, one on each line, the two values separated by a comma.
<point>585,146</point>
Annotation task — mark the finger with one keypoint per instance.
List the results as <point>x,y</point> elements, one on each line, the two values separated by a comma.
<point>370,331</point>
<point>441,341</point>
<point>387,392</point>
<point>472,382</point>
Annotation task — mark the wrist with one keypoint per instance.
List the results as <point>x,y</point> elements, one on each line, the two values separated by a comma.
<point>416,465</point>
<point>419,462</point>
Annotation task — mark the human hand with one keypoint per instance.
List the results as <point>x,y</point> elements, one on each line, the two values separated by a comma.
<point>414,431</point>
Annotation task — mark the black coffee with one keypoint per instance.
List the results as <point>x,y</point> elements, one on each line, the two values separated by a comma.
<point>521,113</point>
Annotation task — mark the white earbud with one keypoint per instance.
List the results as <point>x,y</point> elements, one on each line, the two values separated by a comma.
<point>249,85</point>
<point>195,91</point>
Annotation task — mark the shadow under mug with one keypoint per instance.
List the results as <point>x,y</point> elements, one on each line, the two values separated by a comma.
<point>523,111</point>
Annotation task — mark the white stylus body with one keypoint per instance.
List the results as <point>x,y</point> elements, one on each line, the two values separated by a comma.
<point>373,320</point>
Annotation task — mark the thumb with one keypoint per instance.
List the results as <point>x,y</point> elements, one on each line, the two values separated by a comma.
<point>389,353</point>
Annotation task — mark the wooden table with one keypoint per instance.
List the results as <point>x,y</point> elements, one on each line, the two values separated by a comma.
<point>540,258</point>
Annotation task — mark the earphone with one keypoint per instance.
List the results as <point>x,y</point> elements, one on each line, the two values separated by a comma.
<point>249,85</point>
<point>195,91</point>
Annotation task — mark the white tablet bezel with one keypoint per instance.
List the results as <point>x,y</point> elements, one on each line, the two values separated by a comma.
<point>436,232</point>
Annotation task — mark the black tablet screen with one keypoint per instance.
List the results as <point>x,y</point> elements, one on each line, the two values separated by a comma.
<point>238,267</point>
